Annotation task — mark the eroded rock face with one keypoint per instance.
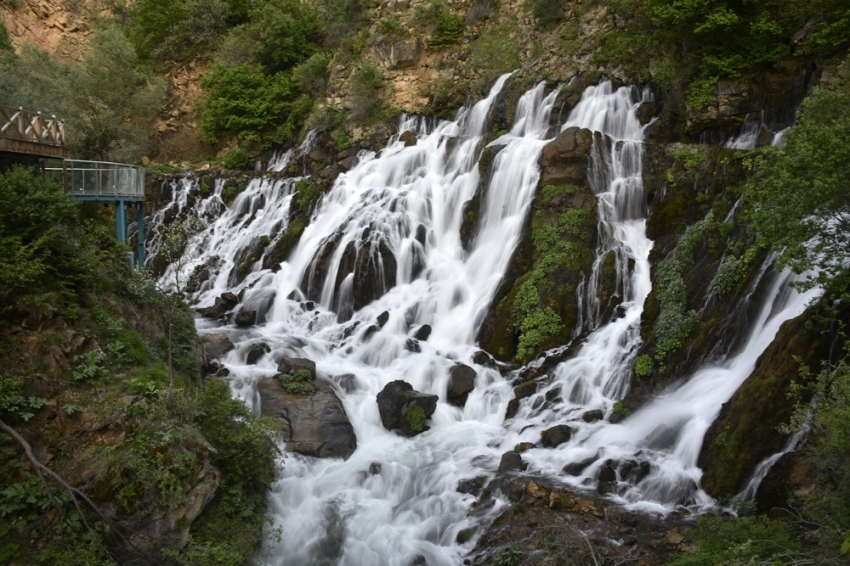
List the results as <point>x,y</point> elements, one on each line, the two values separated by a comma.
<point>399,397</point>
<point>400,53</point>
<point>313,425</point>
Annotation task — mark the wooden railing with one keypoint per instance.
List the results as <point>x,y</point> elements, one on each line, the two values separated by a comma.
<point>18,124</point>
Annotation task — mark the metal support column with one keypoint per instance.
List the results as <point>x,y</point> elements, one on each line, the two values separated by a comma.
<point>140,234</point>
<point>120,222</point>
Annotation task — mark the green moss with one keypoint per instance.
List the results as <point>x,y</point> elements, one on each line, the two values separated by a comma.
<point>297,383</point>
<point>643,365</point>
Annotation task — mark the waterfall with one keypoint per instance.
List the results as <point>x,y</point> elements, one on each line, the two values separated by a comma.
<point>393,220</point>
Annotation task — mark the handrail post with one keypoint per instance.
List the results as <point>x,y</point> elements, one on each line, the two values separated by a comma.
<point>21,121</point>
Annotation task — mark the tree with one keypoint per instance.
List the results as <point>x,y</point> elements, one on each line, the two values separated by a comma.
<point>800,194</point>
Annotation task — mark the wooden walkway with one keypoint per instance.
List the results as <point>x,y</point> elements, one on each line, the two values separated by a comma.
<point>32,134</point>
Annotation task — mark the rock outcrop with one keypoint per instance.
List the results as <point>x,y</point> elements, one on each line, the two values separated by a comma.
<point>404,410</point>
<point>314,424</point>
<point>461,384</point>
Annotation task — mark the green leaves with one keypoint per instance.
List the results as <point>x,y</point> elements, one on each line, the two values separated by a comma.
<point>243,101</point>
<point>799,195</point>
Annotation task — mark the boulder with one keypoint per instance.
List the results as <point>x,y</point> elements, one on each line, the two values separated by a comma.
<point>394,402</point>
<point>313,425</point>
<point>383,318</point>
<point>461,384</point>
<point>422,333</point>
<point>570,144</point>
<point>216,345</point>
<point>291,365</point>
<point>255,352</point>
<point>593,416</point>
<point>245,318</point>
<point>521,391</point>
<point>409,138</point>
<point>555,436</point>
<point>511,462</point>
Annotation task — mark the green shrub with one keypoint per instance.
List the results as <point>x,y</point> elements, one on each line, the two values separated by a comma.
<point>313,73</point>
<point>288,33</point>
<point>449,30</point>
<point>643,365</point>
<point>236,159</point>
<point>366,81</point>
<point>548,13</point>
<point>245,102</point>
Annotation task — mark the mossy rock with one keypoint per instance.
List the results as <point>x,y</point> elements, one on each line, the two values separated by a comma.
<point>746,430</point>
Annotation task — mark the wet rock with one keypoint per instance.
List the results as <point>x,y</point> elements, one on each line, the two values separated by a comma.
<point>292,365</point>
<point>471,486</point>
<point>228,300</point>
<point>423,333</point>
<point>216,345</point>
<point>593,416</point>
<point>482,358</point>
<point>461,384</point>
<point>245,318</point>
<point>348,163</point>
<point>412,345</point>
<point>511,462</point>
<point>555,436</point>
<point>313,425</point>
<point>374,468</point>
<point>465,535</point>
<point>577,468</point>
<point>347,382</point>
<point>255,352</point>
<point>521,392</point>
<point>419,560</point>
<point>396,400</point>
<point>570,144</point>
<point>608,472</point>
<point>383,318</point>
<point>409,138</point>
<point>606,487</point>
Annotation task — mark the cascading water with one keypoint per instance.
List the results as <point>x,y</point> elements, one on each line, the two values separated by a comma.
<point>399,214</point>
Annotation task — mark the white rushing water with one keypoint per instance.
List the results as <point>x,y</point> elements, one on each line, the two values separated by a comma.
<point>399,213</point>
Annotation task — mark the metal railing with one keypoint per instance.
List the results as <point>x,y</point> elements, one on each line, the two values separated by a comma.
<point>18,124</point>
<point>99,179</point>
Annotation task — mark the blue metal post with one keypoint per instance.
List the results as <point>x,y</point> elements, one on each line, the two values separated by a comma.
<point>140,234</point>
<point>120,222</point>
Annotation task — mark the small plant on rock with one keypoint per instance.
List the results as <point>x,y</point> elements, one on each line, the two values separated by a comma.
<point>414,418</point>
<point>297,383</point>
<point>510,555</point>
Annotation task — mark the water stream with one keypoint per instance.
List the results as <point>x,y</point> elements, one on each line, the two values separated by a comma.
<point>399,212</point>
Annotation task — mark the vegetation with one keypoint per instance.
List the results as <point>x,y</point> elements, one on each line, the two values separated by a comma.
<point>414,418</point>
<point>108,103</point>
<point>297,383</point>
<point>66,276</point>
<point>800,203</point>
<point>750,540</point>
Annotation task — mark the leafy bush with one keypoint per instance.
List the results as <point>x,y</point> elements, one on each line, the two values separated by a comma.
<point>288,33</point>
<point>313,73</point>
<point>196,31</point>
<point>643,365</point>
<point>548,13</point>
<point>245,102</point>
<point>449,30</point>
<point>366,81</point>
<point>799,191</point>
<point>236,159</point>
<point>44,249</point>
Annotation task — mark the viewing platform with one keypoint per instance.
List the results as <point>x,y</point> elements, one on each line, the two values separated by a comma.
<point>28,138</point>
<point>102,181</point>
